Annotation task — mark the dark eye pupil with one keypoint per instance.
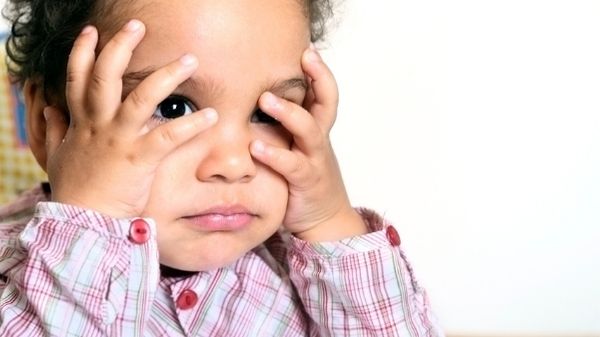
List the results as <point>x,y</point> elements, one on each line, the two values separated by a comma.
<point>172,107</point>
<point>262,117</point>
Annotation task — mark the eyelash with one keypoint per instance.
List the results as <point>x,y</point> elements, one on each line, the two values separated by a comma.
<point>258,116</point>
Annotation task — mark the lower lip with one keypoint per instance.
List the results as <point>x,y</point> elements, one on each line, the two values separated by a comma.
<point>221,222</point>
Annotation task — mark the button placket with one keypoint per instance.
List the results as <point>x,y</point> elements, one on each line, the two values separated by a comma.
<point>187,296</point>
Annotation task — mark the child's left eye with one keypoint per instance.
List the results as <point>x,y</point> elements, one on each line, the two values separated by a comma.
<point>173,107</point>
<point>260,116</point>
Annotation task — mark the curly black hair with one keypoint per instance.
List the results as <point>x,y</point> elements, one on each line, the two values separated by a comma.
<point>43,32</point>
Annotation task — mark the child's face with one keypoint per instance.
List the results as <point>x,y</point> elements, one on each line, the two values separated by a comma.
<point>244,48</point>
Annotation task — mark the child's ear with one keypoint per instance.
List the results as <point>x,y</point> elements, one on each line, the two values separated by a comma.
<point>33,94</point>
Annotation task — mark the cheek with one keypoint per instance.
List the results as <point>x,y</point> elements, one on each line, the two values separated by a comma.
<point>271,191</point>
<point>168,189</point>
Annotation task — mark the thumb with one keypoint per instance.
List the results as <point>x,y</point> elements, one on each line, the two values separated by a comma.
<point>56,128</point>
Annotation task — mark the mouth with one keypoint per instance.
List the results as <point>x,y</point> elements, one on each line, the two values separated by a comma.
<point>221,218</point>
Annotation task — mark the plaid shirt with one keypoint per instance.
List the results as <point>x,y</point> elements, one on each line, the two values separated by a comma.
<point>67,271</point>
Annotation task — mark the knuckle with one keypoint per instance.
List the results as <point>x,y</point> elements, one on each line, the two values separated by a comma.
<point>297,168</point>
<point>278,158</point>
<point>76,65</point>
<point>72,76</point>
<point>137,99</point>
<point>137,159</point>
<point>171,71</point>
<point>98,81</point>
<point>168,137</point>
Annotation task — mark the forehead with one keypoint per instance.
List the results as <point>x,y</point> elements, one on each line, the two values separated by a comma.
<point>235,40</point>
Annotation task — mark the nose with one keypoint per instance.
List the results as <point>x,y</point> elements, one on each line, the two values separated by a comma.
<point>228,158</point>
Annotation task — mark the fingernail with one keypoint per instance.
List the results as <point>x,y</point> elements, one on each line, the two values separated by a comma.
<point>188,60</point>
<point>313,56</point>
<point>133,25</point>
<point>272,100</point>
<point>86,30</point>
<point>258,146</point>
<point>211,115</point>
<point>46,113</point>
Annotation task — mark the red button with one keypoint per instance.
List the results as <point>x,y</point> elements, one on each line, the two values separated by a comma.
<point>139,232</point>
<point>393,236</point>
<point>187,299</point>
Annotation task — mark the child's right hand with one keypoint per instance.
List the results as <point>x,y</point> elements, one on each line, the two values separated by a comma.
<point>106,158</point>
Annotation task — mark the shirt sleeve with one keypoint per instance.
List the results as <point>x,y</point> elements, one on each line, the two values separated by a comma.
<point>361,286</point>
<point>79,274</point>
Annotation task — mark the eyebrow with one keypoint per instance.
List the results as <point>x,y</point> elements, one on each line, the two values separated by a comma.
<point>209,86</point>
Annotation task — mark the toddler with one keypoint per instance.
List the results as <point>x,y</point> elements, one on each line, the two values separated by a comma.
<point>193,190</point>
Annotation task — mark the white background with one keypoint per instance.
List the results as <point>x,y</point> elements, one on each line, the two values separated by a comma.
<point>474,127</point>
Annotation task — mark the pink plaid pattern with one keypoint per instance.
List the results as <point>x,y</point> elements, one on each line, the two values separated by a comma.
<point>66,271</point>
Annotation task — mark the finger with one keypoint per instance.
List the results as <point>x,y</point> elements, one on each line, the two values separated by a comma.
<point>324,87</point>
<point>309,98</point>
<point>79,69</point>
<point>154,89</point>
<point>308,135</point>
<point>290,165</point>
<point>56,129</point>
<point>162,140</point>
<point>112,62</point>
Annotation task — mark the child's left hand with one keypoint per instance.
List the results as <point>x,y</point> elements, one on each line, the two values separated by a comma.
<point>318,207</point>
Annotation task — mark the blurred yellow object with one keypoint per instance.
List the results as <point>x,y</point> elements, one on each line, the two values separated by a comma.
<point>18,169</point>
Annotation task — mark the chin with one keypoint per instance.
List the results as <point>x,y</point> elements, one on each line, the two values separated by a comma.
<point>197,266</point>
<point>201,260</point>
<point>192,251</point>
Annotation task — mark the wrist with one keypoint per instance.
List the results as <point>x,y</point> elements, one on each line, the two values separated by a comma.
<point>345,224</point>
